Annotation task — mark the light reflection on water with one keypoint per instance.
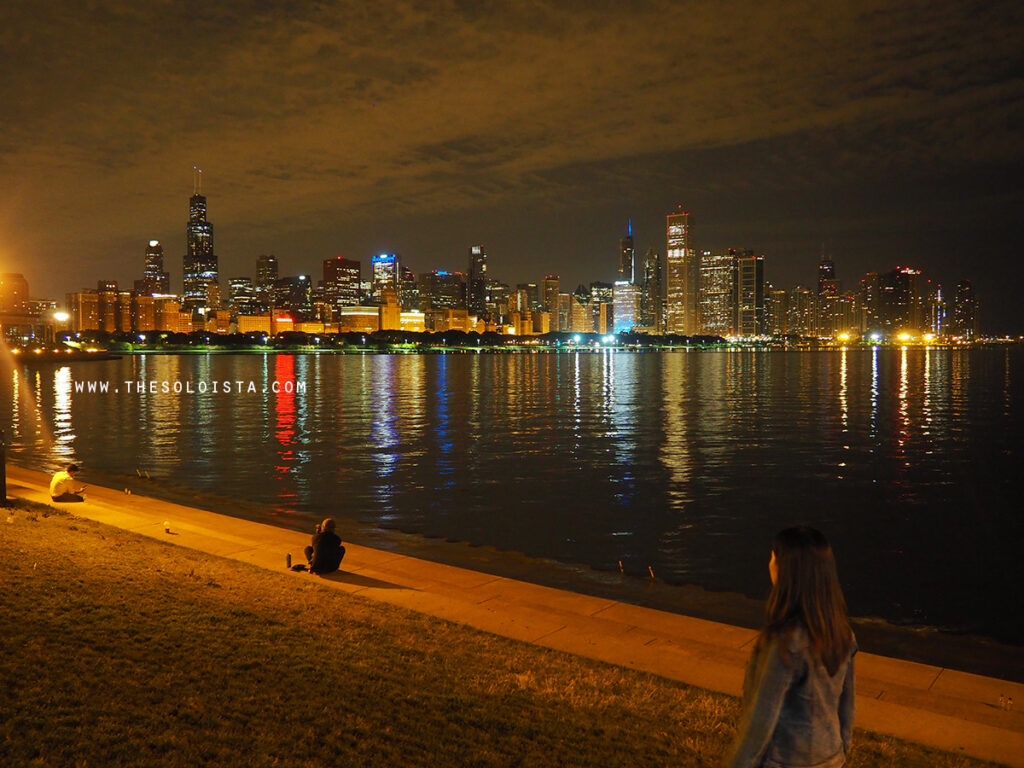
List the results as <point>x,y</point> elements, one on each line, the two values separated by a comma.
<point>684,462</point>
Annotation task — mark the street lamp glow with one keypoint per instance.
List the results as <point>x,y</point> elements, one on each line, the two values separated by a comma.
<point>905,336</point>
<point>843,337</point>
<point>876,337</point>
<point>61,317</point>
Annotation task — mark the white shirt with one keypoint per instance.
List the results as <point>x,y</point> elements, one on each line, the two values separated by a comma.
<point>63,483</point>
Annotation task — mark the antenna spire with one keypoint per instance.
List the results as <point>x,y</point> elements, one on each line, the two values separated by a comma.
<point>197,180</point>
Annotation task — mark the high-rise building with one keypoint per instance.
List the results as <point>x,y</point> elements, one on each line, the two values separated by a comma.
<point>532,293</point>
<point>295,294</point>
<point>550,302</point>
<point>476,282</point>
<point>387,273</point>
<point>827,306</point>
<point>627,255</point>
<point>682,276</point>
<point>13,292</point>
<point>801,311</point>
<point>154,279</point>
<point>749,293</point>
<point>242,296</point>
<point>581,313</point>
<point>602,301</point>
<point>776,311</point>
<point>937,321</point>
<point>901,300</point>
<point>341,282</point>
<point>442,290</point>
<point>410,291</point>
<point>965,311</point>
<point>626,310</point>
<point>652,305</point>
<point>200,262</point>
<point>716,302</point>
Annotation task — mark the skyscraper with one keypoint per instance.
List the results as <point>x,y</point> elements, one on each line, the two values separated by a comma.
<point>717,293</point>
<point>476,282</point>
<point>154,279</point>
<point>550,304</point>
<point>200,262</point>
<point>682,276</point>
<point>652,305</point>
<point>627,254</point>
<point>749,293</point>
<point>341,282</point>
<point>387,273</point>
<point>965,311</point>
<point>626,309</point>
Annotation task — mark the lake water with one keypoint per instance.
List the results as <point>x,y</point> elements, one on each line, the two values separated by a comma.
<point>683,462</point>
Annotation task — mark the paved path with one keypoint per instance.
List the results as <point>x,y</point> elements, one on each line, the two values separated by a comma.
<point>939,707</point>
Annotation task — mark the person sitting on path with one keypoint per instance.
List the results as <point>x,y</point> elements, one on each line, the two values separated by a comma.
<point>63,486</point>
<point>799,687</point>
<point>325,554</point>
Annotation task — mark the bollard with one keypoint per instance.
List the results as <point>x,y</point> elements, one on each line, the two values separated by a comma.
<point>3,468</point>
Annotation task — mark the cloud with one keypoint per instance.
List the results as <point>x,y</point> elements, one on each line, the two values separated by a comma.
<point>306,111</point>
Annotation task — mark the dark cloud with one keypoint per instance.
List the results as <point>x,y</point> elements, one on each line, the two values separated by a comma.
<point>332,127</point>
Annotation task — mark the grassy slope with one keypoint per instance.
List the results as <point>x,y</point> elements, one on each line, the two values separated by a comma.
<point>118,650</point>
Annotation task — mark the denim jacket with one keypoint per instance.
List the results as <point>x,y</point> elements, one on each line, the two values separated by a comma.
<point>795,714</point>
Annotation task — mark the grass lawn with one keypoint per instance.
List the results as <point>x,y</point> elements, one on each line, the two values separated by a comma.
<point>119,650</point>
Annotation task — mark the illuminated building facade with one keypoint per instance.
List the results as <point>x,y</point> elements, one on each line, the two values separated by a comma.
<point>627,255</point>
<point>154,279</point>
<point>341,278</point>
<point>682,276</point>
<point>716,297</point>
<point>551,288</point>
<point>387,273</point>
<point>749,293</point>
<point>602,301</point>
<point>442,290</point>
<point>476,282</point>
<point>965,311</point>
<point>200,262</point>
<point>652,305</point>
<point>626,310</point>
<point>13,292</point>
<point>295,295</point>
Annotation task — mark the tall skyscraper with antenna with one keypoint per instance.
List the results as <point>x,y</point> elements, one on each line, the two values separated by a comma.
<point>200,262</point>
<point>627,255</point>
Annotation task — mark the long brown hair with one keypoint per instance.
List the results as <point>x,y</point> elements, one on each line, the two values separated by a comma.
<point>806,593</point>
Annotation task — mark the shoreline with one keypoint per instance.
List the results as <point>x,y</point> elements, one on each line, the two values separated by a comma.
<point>973,653</point>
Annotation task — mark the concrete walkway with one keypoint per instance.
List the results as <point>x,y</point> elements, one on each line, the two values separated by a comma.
<point>943,708</point>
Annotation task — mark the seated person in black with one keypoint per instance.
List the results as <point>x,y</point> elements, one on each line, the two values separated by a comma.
<point>325,554</point>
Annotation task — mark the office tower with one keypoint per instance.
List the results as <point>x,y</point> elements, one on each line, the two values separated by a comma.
<point>581,313</point>
<point>386,273</point>
<point>716,297</point>
<point>827,309</point>
<point>870,302</point>
<point>626,310</point>
<point>154,279</point>
<point>652,305</point>
<point>242,296</point>
<point>901,300</point>
<point>682,276</point>
<point>295,294</point>
<point>602,301</point>
<point>965,311</point>
<point>937,310</point>
<point>442,290</point>
<point>777,313</point>
<point>13,292</point>
<point>532,292</point>
<point>749,293</point>
<point>564,311</point>
<point>498,296</point>
<point>341,282</point>
<point>550,303</point>
<point>476,281</point>
<point>200,262</point>
<point>627,255</point>
<point>801,311</point>
<point>409,290</point>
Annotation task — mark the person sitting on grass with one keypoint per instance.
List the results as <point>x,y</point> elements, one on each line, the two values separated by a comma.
<point>63,486</point>
<point>325,554</point>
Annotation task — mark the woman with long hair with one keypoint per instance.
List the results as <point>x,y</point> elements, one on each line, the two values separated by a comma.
<point>798,690</point>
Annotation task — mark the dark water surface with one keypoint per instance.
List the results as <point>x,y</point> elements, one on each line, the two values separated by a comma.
<point>684,462</point>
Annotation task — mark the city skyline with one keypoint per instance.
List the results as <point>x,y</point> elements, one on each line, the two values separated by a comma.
<point>879,136</point>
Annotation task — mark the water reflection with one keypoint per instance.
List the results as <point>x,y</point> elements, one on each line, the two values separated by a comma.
<point>63,430</point>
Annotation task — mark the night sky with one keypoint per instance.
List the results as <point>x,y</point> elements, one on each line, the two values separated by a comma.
<point>885,133</point>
